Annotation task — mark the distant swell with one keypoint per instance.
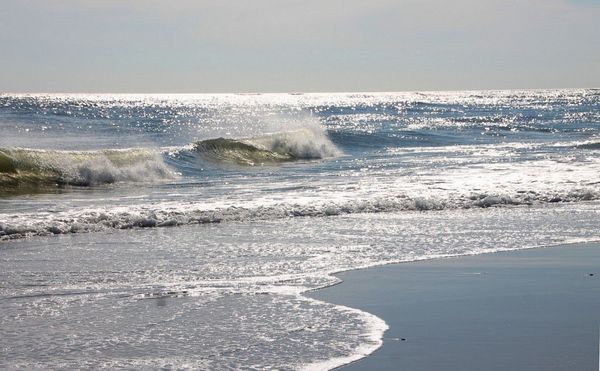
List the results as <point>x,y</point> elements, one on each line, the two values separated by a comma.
<point>304,144</point>
<point>23,170</point>
<point>170,214</point>
<point>589,145</point>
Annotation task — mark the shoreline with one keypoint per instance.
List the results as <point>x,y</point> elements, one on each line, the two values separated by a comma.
<point>534,308</point>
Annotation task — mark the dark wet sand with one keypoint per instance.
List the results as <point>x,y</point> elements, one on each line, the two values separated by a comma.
<point>535,309</point>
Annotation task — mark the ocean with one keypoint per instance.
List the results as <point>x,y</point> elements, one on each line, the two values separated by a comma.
<point>181,231</point>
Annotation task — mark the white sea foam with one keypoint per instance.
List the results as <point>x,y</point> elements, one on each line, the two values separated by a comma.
<point>21,168</point>
<point>307,142</point>
<point>423,176</point>
<point>372,339</point>
<point>167,214</point>
<point>304,144</point>
<point>240,290</point>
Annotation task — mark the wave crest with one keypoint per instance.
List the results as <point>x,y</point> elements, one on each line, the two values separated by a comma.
<point>307,143</point>
<point>589,145</point>
<point>303,144</point>
<point>235,151</point>
<point>23,169</point>
<point>174,214</point>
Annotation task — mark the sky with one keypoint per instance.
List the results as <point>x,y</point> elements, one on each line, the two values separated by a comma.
<point>221,46</point>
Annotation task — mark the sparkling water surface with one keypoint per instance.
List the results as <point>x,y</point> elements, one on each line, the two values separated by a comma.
<point>186,259</point>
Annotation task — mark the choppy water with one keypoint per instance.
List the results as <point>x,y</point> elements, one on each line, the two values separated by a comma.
<point>211,214</point>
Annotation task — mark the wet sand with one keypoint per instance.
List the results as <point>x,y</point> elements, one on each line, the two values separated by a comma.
<point>536,309</point>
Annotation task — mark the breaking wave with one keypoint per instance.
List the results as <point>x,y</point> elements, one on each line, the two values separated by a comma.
<point>29,170</point>
<point>238,152</point>
<point>23,170</point>
<point>589,145</point>
<point>303,144</point>
<point>175,214</point>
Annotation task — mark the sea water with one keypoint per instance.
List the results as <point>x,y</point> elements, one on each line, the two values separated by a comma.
<point>181,231</point>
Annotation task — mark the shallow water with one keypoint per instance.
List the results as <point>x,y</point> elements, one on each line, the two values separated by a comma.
<point>188,258</point>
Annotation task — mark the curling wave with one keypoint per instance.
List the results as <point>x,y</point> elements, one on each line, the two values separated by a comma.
<point>23,170</point>
<point>29,170</point>
<point>594,145</point>
<point>304,144</point>
<point>238,152</point>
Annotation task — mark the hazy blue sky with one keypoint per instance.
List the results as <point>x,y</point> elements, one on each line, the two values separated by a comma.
<point>297,45</point>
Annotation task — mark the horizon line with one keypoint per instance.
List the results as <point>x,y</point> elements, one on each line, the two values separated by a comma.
<point>294,92</point>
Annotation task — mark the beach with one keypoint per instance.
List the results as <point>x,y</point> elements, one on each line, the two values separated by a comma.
<point>300,185</point>
<point>153,231</point>
<point>534,309</point>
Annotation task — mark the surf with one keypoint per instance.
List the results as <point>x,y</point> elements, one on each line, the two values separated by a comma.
<point>23,169</point>
<point>273,148</point>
